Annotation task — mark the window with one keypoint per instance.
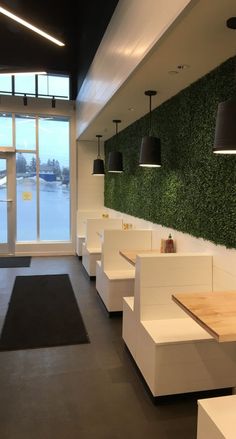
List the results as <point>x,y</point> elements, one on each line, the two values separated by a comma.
<point>43,86</point>
<point>25,84</point>
<point>53,86</point>
<point>54,188</point>
<point>43,178</point>
<point>5,84</point>
<point>25,132</point>
<point>6,132</point>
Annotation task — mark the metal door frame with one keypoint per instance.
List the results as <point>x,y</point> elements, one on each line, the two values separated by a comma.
<point>9,247</point>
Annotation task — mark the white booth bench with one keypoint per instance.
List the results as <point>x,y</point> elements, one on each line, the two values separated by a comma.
<point>216,418</point>
<point>91,248</point>
<point>174,354</point>
<point>115,275</point>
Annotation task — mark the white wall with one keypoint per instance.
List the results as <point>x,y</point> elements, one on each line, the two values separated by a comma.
<point>38,106</point>
<point>90,189</point>
<point>224,260</point>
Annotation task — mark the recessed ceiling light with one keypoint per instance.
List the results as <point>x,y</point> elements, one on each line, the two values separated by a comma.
<point>131,108</point>
<point>183,66</point>
<point>30,26</point>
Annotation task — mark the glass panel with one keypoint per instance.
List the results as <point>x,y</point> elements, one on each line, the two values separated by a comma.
<point>43,87</point>
<point>5,130</point>
<point>5,84</point>
<point>25,84</point>
<point>3,205</point>
<point>25,132</point>
<point>54,175</point>
<point>26,197</point>
<point>54,85</point>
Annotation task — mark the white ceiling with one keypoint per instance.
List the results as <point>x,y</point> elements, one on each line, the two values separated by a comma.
<point>199,38</point>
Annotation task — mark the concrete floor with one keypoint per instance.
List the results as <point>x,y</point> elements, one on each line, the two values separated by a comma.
<point>84,391</point>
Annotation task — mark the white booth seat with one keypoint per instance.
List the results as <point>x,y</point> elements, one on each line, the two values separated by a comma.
<point>82,216</point>
<point>216,418</point>
<point>89,259</point>
<point>91,249</point>
<point>115,275</point>
<point>173,353</point>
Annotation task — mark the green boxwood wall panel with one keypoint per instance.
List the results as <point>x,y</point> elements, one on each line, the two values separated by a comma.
<point>195,190</point>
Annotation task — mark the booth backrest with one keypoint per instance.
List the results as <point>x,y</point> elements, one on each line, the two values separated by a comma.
<point>83,215</point>
<point>97,225</point>
<point>158,277</point>
<point>116,240</point>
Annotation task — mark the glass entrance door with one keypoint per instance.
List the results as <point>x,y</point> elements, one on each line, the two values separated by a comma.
<point>7,204</point>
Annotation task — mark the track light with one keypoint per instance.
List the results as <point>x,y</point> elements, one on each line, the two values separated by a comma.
<point>25,100</point>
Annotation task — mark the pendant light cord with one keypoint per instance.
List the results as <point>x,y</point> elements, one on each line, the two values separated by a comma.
<point>99,148</point>
<point>116,121</point>
<point>150,115</point>
<point>116,135</point>
<point>235,71</point>
<point>98,137</point>
<point>150,93</point>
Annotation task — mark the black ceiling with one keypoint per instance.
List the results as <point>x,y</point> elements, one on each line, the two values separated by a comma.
<point>79,24</point>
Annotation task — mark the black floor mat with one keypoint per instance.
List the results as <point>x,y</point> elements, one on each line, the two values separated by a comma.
<point>15,261</point>
<point>42,312</point>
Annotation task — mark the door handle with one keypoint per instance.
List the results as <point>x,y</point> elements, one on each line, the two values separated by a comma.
<point>6,201</point>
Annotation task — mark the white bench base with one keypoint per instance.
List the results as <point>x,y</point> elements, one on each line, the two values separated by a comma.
<point>112,286</point>
<point>79,244</point>
<point>216,418</point>
<point>129,325</point>
<point>176,355</point>
<point>89,258</point>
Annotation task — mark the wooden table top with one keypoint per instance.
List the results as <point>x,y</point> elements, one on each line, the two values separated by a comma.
<point>215,312</point>
<point>131,255</point>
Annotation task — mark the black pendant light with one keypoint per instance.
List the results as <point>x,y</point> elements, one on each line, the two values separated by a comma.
<point>225,131</point>
<point>115,159</point>
<point>98,164</point>
<point>150,152</point>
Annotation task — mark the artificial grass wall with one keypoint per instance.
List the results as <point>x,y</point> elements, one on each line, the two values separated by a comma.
<point>195,190</point>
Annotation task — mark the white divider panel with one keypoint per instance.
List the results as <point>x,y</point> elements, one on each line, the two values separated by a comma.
<point>95,226</point>
<point>158,277</point>
<point>224,274</point>
<point>83,215</point>
<point>116,240</point>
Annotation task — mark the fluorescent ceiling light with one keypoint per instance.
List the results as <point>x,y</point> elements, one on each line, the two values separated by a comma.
<point>30,26</point>
<point>21,73</point>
